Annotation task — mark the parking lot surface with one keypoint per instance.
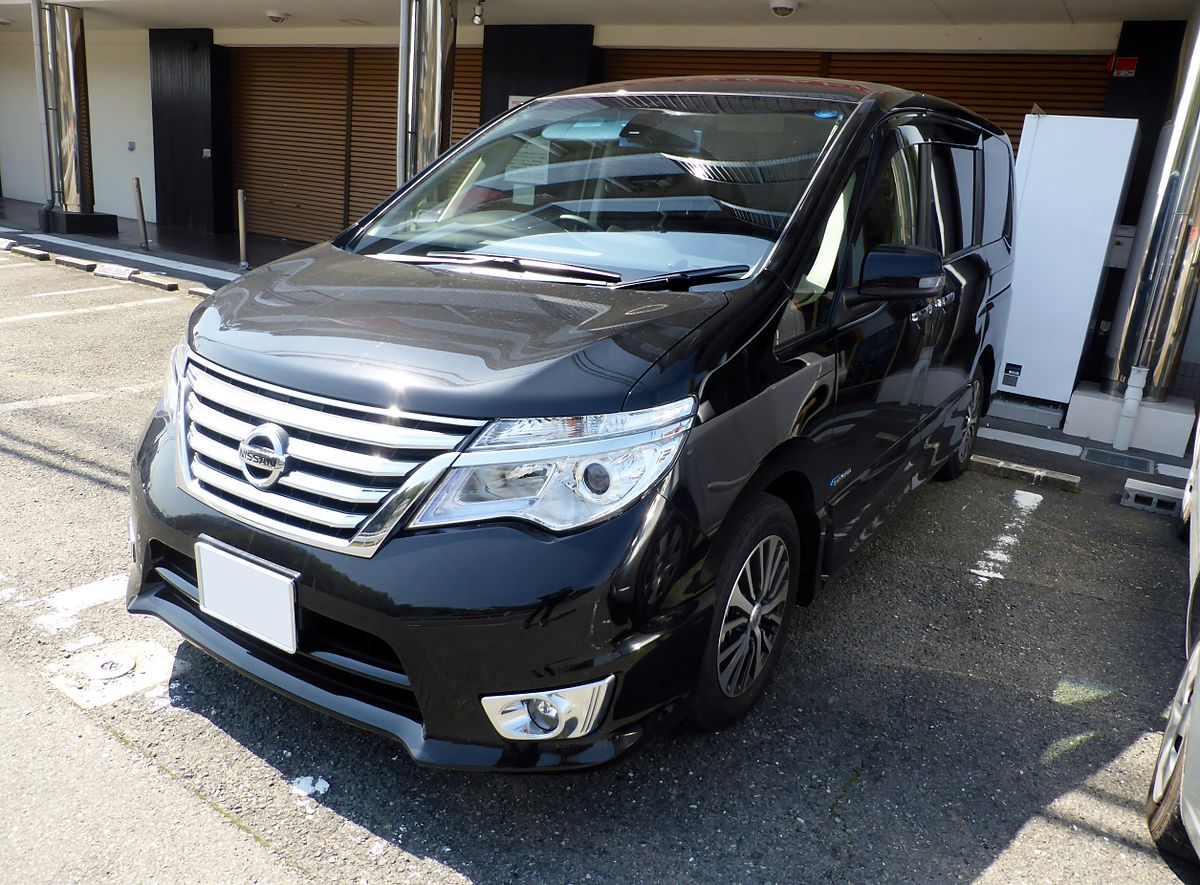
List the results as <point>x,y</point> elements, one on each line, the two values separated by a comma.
<point>977,696</point>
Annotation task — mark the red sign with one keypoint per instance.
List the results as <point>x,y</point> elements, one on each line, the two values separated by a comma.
<point>1125,66</point>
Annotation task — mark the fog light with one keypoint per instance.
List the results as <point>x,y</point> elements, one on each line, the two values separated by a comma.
<point>562,713</point>
<point>543,714</point>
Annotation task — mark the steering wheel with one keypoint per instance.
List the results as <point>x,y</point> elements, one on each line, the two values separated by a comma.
<point>580,221</point>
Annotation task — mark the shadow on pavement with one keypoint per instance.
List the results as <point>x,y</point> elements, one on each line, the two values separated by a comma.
<point>921,717</point>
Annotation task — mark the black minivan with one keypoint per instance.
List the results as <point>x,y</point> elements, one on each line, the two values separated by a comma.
<point>542,454</point>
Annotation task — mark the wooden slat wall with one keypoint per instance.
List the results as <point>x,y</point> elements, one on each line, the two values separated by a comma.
<point>1001,87</point>
<point>289,124</point>
<point>632,64</point>
<point>468,92</point>
<point>373,129</point>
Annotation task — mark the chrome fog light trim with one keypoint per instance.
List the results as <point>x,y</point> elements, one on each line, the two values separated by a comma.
<point>519,717</point>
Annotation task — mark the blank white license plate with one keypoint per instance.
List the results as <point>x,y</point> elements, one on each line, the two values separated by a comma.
<point>259,600</point>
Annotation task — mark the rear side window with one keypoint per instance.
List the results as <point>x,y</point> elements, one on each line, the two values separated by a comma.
<point>997,190</point>
<point>954,194</point>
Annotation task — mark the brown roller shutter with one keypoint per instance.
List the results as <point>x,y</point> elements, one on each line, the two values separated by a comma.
<point>468,89</point>
<point>633,64</point>
<point>1003,88</point>
<point>289,115</point>
<point>315,133</point>
<point>373,129</point>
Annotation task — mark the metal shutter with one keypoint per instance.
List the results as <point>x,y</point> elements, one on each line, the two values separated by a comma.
<point>633,64</point>
<point>468,92</point>
<point>1000,87</point>
<point>315,133</point>
<point>289,122</point>
<point>372,129</point>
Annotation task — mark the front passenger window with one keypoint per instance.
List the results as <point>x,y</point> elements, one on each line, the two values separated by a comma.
<point>813,296</point>
<point>889,215</point>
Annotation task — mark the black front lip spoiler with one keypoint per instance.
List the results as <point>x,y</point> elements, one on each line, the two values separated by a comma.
<point>424,751</point>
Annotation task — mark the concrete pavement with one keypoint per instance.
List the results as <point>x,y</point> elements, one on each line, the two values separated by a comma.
<point>977,696</point>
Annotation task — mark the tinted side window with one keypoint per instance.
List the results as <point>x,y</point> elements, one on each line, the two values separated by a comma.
<point>953,197</point>
<point>891,207</point>
<point>997,190</point>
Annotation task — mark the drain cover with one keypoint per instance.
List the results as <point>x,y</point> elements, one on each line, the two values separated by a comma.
<point>1120,460</point>
<point>109,667</point>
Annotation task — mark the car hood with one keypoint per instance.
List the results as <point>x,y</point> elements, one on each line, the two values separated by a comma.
<point>430,340</point>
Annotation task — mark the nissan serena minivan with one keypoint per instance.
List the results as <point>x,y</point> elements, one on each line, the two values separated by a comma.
<point>541,456</point>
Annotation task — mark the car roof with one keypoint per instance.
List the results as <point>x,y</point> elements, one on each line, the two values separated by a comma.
<point>816,88</point>
<point>822,88</point>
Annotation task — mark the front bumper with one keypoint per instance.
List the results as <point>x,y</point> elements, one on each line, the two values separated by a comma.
<point>406,643</point>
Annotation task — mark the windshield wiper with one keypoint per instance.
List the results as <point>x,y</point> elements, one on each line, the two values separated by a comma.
<point>684,279</point>
<point>506,262</point>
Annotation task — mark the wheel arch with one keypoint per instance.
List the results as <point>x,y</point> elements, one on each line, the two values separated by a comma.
<point>786,474</point>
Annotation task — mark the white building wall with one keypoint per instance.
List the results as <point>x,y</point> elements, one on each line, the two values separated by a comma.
<point>22,175</point>
<point>119,99</point>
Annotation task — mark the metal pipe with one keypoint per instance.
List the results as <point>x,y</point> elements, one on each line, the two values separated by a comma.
<point>243,263</point>
<point>426,72</point>
<point>66,86</point>
<point>1160,290</point>
<point>404,83</point>
<point>35,11</point>
<point>141,213</point>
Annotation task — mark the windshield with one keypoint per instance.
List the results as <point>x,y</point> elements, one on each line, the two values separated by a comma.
<point>632,185</point>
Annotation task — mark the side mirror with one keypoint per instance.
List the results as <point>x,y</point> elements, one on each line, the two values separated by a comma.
<point>897,273</point>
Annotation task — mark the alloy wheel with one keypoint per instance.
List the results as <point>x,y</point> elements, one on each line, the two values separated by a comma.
<point>1176,728</point>
<point>753,616</point>
<point>971,427</point>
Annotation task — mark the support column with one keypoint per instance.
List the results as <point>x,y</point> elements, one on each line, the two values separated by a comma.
<point>426,77</point>
<point>62,71</point>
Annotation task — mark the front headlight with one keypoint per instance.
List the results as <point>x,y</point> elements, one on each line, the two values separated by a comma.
<point>176,366</point>
<point>560,473</point>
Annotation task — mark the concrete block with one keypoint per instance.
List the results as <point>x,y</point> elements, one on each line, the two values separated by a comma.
<point>1067,482</point>
<point>1153,497</point>
<point>76,263</point>
<point>30,252</point>
<point>6,245</point>
<point>1161,427</point>
<point>200,291</point>
<point>145,279</point>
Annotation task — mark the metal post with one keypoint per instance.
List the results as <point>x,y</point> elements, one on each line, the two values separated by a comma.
<point>35,10</point>
<point>425,82</point>
<point>404,84</point>
<point>241,214</point>
<point>141,213</point>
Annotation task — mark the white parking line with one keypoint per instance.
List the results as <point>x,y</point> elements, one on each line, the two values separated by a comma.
<point>50,314</point>
<point>74,291</point>
<point>987,568</point>
<point>22,405</point>
<point>69,603</point>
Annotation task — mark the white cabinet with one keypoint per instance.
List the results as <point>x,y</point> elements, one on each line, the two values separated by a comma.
<point>1070,180</point>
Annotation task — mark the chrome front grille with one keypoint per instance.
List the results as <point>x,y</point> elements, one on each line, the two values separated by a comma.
<point>352,471</point>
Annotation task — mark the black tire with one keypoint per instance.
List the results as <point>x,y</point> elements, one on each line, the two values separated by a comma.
<point>1163,817</point>
<point>958,463</point>
<point>766,523</point>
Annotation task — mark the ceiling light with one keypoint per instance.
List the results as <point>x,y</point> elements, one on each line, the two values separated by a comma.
<point>477,18</point>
